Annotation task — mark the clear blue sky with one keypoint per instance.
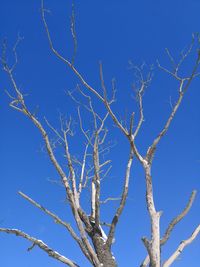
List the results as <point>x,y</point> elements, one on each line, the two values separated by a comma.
<point>113,32</point>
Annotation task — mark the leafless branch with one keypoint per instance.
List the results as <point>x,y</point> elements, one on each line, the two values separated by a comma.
<point>71,193</point>
<point>183,87</point>
<point>145,262</point>
<point>73,32</point>
<point>106,172</point>
<point>144,83</point>
<point>178,218</point>
<point>80,187</point>
<point>181,247</point>
<point>55,217</point>
<point>110,199</point>
<point>85,133</point>
<point>122,202</point>
<point>105,224</point>
<point>96,181</point>
<point>171,226</point>
<point>140,95</point>
<point>54,130</point>
<point>52,253</point>
<point>107,103</point>
<point>90,88</point>
<point>19,39</point>
<point>71,169</point>
<point>175,75</point>
<point>171,58</point>
<point>185,54</point>
<point>66,61</point>
<point>89,226</point>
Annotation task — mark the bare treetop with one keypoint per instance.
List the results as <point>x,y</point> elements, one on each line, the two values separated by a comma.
<point>89,169</point>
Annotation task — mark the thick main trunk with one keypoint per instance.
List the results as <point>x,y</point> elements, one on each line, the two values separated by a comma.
<point>104,255</point>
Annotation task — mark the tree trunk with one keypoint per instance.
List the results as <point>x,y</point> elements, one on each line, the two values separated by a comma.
<point>104,254</point>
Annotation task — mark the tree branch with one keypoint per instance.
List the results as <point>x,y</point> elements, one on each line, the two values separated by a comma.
<point>110,199</point>
<point>52,253</point>
<point>90,88</point>
<point>57,220</point>
<point>73,32</point>
<point>183,87</point>
<point>122,202</point>
<point>172,224</point>
<point>107,103</point>
<point>19,104</point>
<point>67,62</point>
<point>178,218</point>
<point>181,247</point>
<point>80,187</point>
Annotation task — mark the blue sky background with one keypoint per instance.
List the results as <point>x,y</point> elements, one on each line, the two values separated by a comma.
<point>113,32</point>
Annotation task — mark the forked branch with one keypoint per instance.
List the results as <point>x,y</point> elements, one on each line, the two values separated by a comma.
<point>66,61</point>
<point>172,224</point>
<point>184,84</point>
<point>19,104</point>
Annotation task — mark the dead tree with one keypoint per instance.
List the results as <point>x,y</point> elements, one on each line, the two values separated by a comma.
<point>91,239</point>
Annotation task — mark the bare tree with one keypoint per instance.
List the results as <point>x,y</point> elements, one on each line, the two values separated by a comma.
<point>89,170</point>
